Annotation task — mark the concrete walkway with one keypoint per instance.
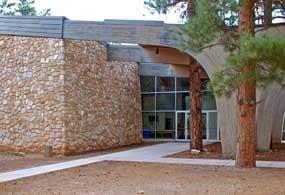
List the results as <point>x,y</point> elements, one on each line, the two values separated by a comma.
<point>153,154</point>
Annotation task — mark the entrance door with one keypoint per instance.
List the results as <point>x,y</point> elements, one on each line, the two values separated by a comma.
<point>182,125</point>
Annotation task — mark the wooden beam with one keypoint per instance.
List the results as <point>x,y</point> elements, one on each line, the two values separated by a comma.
<point>148,54</point>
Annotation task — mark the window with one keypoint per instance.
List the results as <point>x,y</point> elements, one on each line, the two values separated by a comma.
<point>204,125</point>
<point>165,101</point>
<point>148,123</point>
<point>208,101</point>
<point>204,84</point>
<point>213,126</point>
<point>210,125</point>
<point>147,84</point>
<point>165,121</point>
<point>283,128</point>
<point>165,84</point>
<point>165,125</point>
<point>182,84</point>
<point>148,102</point>
<point>183,101</point>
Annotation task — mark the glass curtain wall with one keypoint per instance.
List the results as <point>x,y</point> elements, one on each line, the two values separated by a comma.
<point>164,98</point>
<point>283,129</point>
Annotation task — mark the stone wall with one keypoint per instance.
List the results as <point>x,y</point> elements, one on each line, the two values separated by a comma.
<point>31,94</point>
<point>102,99</point>
<point>65,94</point>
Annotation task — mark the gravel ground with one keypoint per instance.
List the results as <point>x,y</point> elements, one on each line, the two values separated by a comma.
<point>213,151</point>
<point>123,178</point>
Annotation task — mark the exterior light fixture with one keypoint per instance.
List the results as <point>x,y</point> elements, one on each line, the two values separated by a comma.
<point>156,51</point>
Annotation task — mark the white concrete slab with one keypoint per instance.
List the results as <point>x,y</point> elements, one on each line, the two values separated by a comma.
<point>23,173</point>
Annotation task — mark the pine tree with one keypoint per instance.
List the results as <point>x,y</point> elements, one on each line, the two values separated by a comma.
<point>6,8</point>
<point>163,6</point>
<point>21,8</point>
<point>253,61</point>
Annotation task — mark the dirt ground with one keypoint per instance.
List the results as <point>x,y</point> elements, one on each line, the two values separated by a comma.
<point>213,151</point>
<point>12,161</point>
<point>123,178</point>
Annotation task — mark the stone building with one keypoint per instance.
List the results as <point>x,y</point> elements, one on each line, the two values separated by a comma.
<point>69,85</point>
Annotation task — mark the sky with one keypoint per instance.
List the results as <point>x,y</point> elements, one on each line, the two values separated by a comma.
<point>99,10</point>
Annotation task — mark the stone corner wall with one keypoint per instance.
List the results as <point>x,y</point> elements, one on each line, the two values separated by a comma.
<point>64,94</point>
<point>103,107</point>
<point>31,94</point>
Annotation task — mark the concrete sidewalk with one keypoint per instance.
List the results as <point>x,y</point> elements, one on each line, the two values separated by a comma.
<point>153,154</point>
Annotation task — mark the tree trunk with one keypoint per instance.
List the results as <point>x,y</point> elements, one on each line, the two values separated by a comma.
<point>246,130</point>
<point>195,107</point>
<point>267,13</point>
<point>246,124</point>
<point>191,8</point>
<point>195,119</point>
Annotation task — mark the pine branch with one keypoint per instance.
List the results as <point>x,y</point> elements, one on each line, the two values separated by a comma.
<point>211,45</point>
<point>175,3</point>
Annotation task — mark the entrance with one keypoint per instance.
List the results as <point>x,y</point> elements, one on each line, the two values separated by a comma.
<point>182,125</point>
<point>209,125</point>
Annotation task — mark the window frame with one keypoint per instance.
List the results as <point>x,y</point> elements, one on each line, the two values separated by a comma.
<point>158,97</point>
<point>153,83</point>
<point>158,87</point>
<point>154,103</point>
<point>283,128</point>
<point>175,92</point>
<point>176,78</point>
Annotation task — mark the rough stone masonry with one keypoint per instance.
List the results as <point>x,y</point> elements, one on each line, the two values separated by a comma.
<point>65,94</point>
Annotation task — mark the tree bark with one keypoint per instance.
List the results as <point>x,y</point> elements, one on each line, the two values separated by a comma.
<point>246,97</point>
<point>191,8</point>
<point>267,13</point>
<point>195,119</point>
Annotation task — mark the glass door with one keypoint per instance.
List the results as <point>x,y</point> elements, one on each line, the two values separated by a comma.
<point>204,125</point>
<point>283,130</point>
<point>187,115</point>
<point>209,125</point>
<point>182,125</point>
